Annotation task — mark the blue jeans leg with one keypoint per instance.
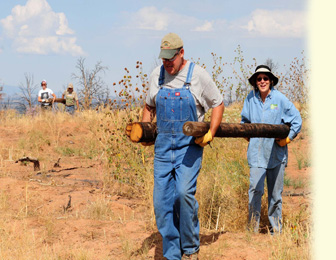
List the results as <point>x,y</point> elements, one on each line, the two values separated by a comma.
<point>175,205</point>
<point>163,198</point>
<point>256,191</point>
<point>275,182</point>
<point>186,203</point>
<point>70,109</point>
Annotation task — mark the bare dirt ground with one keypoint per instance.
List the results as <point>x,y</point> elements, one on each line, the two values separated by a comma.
<point>65,192</point>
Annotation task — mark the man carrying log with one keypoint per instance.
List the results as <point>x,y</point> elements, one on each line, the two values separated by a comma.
<point>46,96</point>
<point>179,91</point>
<point>71,99</point>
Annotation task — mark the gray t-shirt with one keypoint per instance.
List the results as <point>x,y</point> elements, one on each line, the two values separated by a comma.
<point>204,90</point>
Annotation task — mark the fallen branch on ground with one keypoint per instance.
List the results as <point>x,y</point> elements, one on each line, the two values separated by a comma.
<point>71,168</point>
<point>33,160</point>
<point>57,165</point>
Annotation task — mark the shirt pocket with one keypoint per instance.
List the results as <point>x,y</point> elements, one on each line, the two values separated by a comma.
<point>273,115</point>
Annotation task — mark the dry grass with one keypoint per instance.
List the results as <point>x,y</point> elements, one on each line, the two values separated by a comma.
<point>126,171</point>
<point>19,241</point>
<point>294,243</point>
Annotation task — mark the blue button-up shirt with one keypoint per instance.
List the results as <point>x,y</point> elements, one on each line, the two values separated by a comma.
<point>277,109</point>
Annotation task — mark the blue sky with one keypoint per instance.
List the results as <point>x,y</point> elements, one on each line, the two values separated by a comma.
<point>45,38</point>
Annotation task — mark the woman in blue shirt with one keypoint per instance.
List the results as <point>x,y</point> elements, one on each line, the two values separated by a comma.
<point>267,157</point>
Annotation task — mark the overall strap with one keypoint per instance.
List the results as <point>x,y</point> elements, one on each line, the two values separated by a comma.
<point>189,75</point>
<point>162,76</point>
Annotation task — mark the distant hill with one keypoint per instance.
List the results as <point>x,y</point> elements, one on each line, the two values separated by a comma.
<point>10,90</point>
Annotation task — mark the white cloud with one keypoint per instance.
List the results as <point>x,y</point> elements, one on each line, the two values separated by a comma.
<point>151,18</point>
<point>36,28</point>
<point>206,27</point>
<point>261,23</point>
<point>276,23</point>
<point>45,45</point>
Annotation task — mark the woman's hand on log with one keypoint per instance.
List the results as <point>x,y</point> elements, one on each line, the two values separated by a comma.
<point>205,139</point>
<point>283,142</point>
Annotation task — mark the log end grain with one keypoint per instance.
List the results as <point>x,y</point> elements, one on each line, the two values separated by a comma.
<point>136,132</point>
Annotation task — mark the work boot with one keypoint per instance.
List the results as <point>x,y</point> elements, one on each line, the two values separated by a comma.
<point>193,256</point>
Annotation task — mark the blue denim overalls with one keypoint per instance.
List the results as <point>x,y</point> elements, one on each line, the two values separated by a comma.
<point>177,163</point>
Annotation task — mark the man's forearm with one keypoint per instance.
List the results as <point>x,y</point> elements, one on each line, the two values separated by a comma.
<point>216,118</point>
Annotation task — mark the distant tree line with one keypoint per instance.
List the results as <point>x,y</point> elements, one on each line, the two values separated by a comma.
<point>230,77</point>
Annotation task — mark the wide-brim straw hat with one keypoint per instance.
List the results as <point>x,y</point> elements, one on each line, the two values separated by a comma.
<point>263,69</point>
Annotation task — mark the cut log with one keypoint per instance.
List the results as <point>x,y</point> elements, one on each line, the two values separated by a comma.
<point>141,132</point>
<point>147,132</point>
<point>57,100</point>
<point>60,100</point>
<point>237,130</point>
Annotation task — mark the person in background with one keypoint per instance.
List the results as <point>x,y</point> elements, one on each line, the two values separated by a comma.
<point>267,157</point>
<point>179,91</point>
<point>46,96</point>
<point>70,99</point>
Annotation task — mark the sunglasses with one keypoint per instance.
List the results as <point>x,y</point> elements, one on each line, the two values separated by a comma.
<point>264,78</point>
<point>172,59</point>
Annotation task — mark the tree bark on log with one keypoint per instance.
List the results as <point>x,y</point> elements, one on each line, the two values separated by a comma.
<point>147,132</point>
<point>237,130</point>
<point>60,100</point>
<point>57,100</point>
